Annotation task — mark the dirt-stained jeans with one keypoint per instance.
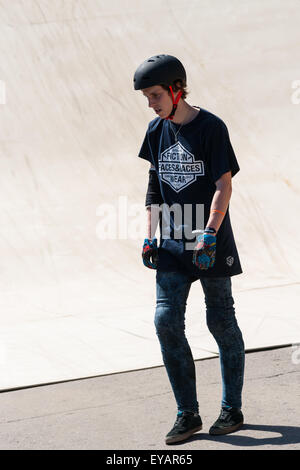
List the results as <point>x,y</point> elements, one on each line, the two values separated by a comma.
<point>172,289</point>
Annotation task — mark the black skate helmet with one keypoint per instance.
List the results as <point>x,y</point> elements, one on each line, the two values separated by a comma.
<point>160,69</point>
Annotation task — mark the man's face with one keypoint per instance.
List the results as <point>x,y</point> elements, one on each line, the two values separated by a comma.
<point>159,100</point>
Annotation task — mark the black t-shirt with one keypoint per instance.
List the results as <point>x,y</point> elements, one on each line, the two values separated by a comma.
<point>188,163</point>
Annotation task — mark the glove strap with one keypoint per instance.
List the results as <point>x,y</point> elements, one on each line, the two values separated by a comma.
<point>210,230</point>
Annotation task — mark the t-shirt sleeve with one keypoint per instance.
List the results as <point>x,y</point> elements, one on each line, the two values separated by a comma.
<point>221,156</point>
<point>153,195</point>
<point>145,151</point>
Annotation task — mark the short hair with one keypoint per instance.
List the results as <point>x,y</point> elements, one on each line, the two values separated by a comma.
<point>177,86</point>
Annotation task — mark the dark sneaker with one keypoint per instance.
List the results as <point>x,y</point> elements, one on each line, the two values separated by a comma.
<point>230,420</point>
<point>186,424</point>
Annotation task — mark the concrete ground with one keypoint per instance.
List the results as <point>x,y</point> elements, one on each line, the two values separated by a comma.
<point>134,410</point>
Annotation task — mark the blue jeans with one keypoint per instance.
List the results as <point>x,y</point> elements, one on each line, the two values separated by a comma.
<point>172,289</point>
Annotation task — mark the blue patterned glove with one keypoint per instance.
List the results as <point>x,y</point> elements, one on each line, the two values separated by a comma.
<point>149,252</point>
<point>204,254</point>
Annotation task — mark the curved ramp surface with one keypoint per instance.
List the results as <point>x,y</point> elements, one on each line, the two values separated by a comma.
<point>76,303</point>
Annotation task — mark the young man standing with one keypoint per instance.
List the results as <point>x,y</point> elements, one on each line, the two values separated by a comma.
<point>192,163</point>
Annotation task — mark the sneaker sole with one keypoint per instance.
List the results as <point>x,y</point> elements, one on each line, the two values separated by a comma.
<point>227,430</point>
<point>182,437</point>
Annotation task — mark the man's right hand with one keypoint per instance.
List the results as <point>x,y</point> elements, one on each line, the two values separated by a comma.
<point>150,252</point>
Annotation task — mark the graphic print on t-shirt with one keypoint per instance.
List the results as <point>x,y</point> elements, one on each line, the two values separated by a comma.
<point>178,167</point>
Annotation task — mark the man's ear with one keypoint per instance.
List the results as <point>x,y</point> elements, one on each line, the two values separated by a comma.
<point>177,87</point>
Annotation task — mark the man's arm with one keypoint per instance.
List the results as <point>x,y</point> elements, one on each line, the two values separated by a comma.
<point>220,201</point>
<point>152,219</point>
<point>153,211</point>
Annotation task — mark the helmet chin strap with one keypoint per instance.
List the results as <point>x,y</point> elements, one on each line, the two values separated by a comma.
<point>175,103</point>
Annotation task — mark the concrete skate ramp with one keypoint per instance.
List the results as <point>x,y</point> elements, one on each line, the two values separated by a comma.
<point>75,305</point>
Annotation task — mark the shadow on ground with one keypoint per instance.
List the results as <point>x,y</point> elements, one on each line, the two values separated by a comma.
<point>288,435</point>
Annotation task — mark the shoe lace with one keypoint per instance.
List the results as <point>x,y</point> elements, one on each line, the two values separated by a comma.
<point>224,414</point>
<point>182,418</point>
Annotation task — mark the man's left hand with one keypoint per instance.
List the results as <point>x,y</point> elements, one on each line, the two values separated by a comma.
<point>205,251</point>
